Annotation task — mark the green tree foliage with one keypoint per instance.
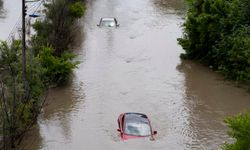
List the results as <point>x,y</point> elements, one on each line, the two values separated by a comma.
<point>57,69</point>
<point>49,61</point>
<point>18,111</point>
<point>236,49</point>
<point>55,35</point>
<point>58,29</point>
<point>76,10</point>
<point>217,33</point>
<point>240,131</point>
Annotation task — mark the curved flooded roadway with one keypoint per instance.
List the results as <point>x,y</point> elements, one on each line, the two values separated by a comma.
<point>136,68</point>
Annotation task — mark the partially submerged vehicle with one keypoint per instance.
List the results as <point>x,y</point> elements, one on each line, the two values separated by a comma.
<point>108,22</point>
<point>134,125</point>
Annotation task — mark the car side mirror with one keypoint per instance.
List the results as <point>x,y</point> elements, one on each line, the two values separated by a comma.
<point>119,130</point>
<point>118,25</point>
<point>155,132</point>
<point>98,25</point>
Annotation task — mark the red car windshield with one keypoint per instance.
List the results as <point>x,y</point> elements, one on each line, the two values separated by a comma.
<point>137,125</point>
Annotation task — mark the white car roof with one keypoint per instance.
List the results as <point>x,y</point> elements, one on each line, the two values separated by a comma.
<point>108,19</point>
<point>136,117</point>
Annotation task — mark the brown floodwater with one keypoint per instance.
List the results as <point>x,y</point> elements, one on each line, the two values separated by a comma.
<point>136,68</point>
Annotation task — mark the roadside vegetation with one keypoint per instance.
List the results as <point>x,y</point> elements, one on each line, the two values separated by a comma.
<point>18,108</point>
<point>217,34</point>
<point>54,39</point>
<point>239,130</point>
<point>49,63</point>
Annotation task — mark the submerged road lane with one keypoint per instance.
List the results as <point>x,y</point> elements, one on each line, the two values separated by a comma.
<point>136,68</point>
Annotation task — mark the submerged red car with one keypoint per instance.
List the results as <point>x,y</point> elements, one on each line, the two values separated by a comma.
<point>134,125</point>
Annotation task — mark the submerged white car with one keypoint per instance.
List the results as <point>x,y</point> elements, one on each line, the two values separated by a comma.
<point>108,22</point>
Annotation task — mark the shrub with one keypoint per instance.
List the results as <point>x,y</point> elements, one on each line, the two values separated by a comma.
<point>57,30</point>
<point>240,130</point>
<point>18,107</point>
<point>217,33</point>
<point>77,10</point>
<point>57,69</point>
<point>54,38</point>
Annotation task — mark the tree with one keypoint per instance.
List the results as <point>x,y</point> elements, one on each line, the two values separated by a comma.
<point>18,112</point>
<point>57,30</point>
<point>55,36</point>
<point>217,33</point>
<point>57,69</point>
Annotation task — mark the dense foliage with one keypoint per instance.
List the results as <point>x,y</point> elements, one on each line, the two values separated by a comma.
<point>217,33</point>
<point>57,32</point>
<point>240,130</point>
<point>57,69</point>
<point>49,62</point>
<point>18,108</point>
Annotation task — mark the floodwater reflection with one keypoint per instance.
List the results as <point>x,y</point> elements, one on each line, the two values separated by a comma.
<point>55,120</point>
<point>136,68</point>
<point>31,143</point>
<point>209,100</point>
<point>170,6</point>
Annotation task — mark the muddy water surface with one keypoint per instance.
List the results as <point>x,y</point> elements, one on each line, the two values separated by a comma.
<point>136,68</point>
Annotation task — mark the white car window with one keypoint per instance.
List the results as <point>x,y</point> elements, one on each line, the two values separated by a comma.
<point>108,23</point>
<point>137,129</point>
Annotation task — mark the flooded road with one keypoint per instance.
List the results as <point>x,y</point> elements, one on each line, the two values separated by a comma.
<point>136,68</point>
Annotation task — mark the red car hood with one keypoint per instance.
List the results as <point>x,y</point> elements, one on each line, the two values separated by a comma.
<point>126,137</point>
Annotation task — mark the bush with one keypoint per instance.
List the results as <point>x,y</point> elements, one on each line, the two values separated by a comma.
<point>19,106</point>
<point>217,33</point>
<point>54,38</point>
<point>57,69</point>
<point>57,30</point>
<point>233,55</point>
<point>240,130</point>
<point>49,63</point>
<point>76,10</point>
